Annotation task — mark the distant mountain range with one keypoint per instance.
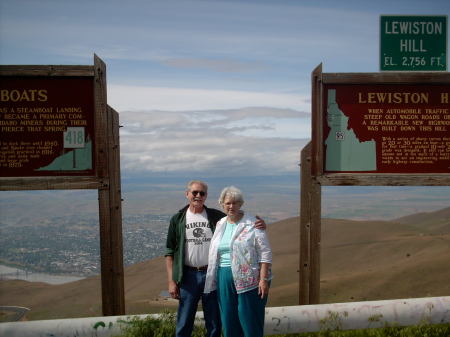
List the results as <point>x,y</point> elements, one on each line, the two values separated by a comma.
<point>361,260</point>
<point>273,197</point>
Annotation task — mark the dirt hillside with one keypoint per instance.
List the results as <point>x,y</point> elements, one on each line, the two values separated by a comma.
<point>361,260</point>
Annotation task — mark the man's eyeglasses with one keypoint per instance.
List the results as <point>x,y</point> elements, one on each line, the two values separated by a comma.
<point>194,193</point>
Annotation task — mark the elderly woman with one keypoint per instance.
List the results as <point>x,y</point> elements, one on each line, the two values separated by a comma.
<point>239,268</point>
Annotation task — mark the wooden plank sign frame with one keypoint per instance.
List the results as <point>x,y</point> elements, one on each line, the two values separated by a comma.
<point>57,132</point>
<point>369,129</point>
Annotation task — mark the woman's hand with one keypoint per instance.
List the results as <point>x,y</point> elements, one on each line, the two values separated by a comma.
<point>263,288</point>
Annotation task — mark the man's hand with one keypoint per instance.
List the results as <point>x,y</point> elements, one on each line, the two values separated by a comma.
<point>174,291</point>
<point>260,223</point>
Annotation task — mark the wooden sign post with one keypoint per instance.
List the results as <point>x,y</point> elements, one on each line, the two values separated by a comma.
<point>57,132</point>
<point>370,129</point>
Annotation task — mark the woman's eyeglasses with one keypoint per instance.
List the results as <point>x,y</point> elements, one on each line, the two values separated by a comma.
<point>194,193</point>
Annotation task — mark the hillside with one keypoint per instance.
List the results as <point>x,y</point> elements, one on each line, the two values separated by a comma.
<point>429,222</point>
<point>361,260</point>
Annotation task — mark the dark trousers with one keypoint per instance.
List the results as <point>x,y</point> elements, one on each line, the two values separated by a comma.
<point>191,291</point>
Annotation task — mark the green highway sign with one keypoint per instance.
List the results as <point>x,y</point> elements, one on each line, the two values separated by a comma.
<point>413,43</point>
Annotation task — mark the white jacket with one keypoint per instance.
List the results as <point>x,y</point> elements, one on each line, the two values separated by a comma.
<point>248,248</point>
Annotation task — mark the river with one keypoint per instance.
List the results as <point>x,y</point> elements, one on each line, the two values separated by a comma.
<point>11,273</point>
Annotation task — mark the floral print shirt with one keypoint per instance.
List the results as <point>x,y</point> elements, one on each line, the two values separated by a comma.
<point>249,247</point>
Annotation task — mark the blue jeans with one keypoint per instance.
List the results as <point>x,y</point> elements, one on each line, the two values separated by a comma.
<point>191,291</point>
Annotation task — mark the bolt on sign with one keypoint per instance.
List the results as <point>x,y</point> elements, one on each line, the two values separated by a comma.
<point>413,43</point>
<point>46,126</point>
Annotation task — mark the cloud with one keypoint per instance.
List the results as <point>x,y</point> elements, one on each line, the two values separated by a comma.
<point>122,97</point>
<point>239,121</point>
<point>211,142</point>
<point>267,112</point>
<point>202,152</point>
<point>221,65</point>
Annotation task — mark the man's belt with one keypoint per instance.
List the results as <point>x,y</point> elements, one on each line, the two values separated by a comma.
<point>202,268</point>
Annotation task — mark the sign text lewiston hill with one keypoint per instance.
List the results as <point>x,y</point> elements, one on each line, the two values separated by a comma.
<point>413,43</point>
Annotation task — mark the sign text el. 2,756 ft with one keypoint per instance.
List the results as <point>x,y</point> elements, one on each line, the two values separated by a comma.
<point>413,43</point>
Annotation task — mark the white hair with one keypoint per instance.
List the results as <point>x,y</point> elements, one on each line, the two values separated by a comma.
<point>231,192</point>
<point>199,182</point>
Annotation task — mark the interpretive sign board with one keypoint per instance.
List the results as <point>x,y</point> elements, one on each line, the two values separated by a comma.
<point>382,124</point>
<point>413,43</point>
<point>58,132</point>
<point>392,128</point>
<point>47,126</point>
<point>369,129</point>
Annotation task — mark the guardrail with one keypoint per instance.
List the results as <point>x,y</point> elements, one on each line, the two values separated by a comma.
<point>278,320</point>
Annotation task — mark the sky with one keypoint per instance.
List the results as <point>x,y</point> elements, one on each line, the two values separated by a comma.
<point>209,87</point>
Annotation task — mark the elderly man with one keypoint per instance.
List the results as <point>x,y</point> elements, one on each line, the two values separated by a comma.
<point>187,247</point>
